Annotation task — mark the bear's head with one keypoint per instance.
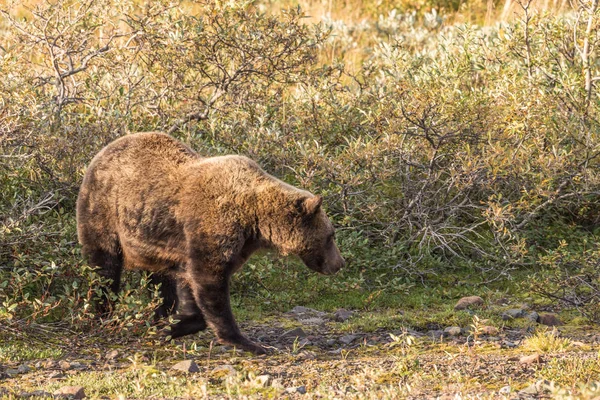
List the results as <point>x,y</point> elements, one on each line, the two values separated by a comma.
<point>311,236</point>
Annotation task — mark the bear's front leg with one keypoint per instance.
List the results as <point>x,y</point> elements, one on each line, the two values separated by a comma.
<point>212,296</point>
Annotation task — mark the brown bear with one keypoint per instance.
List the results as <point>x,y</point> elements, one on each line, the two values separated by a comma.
<point>149,202</point>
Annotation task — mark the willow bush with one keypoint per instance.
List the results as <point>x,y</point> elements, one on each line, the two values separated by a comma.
<point>438,147</point>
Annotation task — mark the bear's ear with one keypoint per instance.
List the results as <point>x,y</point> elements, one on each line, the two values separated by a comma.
<point>312,204</point>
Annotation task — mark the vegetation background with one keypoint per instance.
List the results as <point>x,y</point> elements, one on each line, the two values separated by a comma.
<point>456,144</point>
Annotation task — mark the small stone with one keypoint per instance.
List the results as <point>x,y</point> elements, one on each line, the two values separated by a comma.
<point>505,390</point>
<point>262,381</point>
<point>112,355</point>
<point>453,331</point>
<point>532,359</point>
<point>295,333</point>
<point>223,371</point>
<point>347,339</point>
<point>306,355</point>
<point>549,320</point>
<point>56,375</point>
<point>64,365</point>
<point>330,342</point>
<point>469,301</point>
<point>304,342</point>
<point>513,313</point>
<point>73,392</point>
<point>23,369</point>
<point>342,315</point>
<point>186,366</point>
<point>489,330</point>
<point>533,316</point>
<point>12,372</point>
<point>299,389</point>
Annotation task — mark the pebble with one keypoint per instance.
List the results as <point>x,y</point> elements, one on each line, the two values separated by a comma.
<point>549,320</point>
<point>347,339</point>
<point>23,369</point>
<point>452,331</point>
<point>295,333</point>
<point>489,330</point>
<point>513,313</point>
<point>186,366</point>
<point>299,389</point>
<point>111,355</point>
<point>533,316</point>
<point>56,375</point>
<point>532,359</point>
<point>469,301</point>
<point>342,315</point>
<point>64,365</point>
<point>73,392</point>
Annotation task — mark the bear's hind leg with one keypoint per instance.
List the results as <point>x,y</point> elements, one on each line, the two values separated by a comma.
<point>110,267</point>
<point>189,315</point>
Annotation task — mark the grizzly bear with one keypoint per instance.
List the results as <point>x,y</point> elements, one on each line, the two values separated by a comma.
<point>149,202</point>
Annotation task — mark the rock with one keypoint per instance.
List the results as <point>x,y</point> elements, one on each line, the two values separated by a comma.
<point>489,330</point>
<point>56,375</point>
<point>262,381</point>
<point>347,339</point>
<point>112,355</point>
<point>299,389</point>
<point>513,313</point>
<point>532,359</point>
<point>12,372</point>
<point>453,331</point>
<point>23,369</point>
<point>469,301</point>
<point>295,333</point>
<point>533,316</point>
<point>549,320</point>
<point>342,315</point>
<point>186,366</point>
<point>223,371</point>
<point>304,342</point>
<point>306,355</point>
<point>73,392</point>
<point>330,342</point>
<point>64,365</point>
<point>505,390</point>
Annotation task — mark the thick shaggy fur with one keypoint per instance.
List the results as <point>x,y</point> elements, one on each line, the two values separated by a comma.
<point>150,202</point>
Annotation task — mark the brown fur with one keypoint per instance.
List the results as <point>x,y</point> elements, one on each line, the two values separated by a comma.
<point>149,202</point>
